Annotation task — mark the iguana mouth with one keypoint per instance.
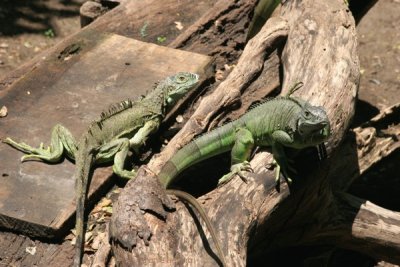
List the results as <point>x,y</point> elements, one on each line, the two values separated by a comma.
<point>323,130</point>
<point>316,126</point>
<point>315,129</point>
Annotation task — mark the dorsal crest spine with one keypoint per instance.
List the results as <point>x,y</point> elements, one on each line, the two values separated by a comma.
<point>116,108</point>
<point>270,99</point>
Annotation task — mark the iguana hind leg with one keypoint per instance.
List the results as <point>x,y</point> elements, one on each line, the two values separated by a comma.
<point>61,141</point>
<point>118,150</point>
<point>240,155</point>
<point>138,140</point>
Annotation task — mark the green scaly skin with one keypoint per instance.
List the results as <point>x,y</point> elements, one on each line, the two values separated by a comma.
<point>262,13</point>
<point>281,122</point>
<point>126,126</point>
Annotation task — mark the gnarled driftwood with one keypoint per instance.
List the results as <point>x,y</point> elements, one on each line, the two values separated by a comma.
<point>320,51</point>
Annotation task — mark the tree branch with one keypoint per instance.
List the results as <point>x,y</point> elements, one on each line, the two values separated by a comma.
<point>365,227</point>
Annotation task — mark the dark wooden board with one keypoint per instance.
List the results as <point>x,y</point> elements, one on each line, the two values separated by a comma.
<point>71,87</point>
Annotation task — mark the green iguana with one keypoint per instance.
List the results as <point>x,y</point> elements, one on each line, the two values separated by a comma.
<point>280,122</point>
<point>126,126</point>
<point>262,13</point>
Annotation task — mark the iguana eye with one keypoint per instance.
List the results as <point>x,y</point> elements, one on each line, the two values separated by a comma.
<point>181,78</point>
<point>307,113</point>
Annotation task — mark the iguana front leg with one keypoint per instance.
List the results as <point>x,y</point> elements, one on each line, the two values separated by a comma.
<point>283,165</point>
<point>61,141</point>
<point>240,154</point>
<point>140,138</point>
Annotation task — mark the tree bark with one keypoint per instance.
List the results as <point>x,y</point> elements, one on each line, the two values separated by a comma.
<point>252,218</point>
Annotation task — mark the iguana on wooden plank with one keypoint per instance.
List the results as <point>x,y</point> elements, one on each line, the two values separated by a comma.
<point>125,126</point>
<point>280,122</point>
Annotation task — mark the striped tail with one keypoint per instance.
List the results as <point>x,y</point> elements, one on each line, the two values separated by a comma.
<point>208,145</point>
<point>84,161</point>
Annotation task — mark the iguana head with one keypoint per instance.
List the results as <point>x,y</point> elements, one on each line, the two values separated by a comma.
<point>178,85</point>
<point>313,125</point>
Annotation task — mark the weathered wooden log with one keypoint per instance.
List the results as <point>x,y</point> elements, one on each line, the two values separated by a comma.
<point>253,218</point>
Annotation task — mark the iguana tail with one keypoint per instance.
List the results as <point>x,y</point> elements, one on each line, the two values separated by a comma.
<point>192,201</point>
<point>84,163</point>
<point>213,143</point>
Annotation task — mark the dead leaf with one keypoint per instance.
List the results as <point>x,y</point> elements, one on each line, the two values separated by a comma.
<point>31,250</point>
<point>3,111</point>
<point>27,44</point>
<point>90,226</point>
<point>101,219</point>
<point>88,236</point>
<point>229,67</point>
<point>178,25</point>
<point>107,210</point>
<point>116,191</point>
<point>98,240</point>
<point>219,75</point>
<point>70,236</point>
<point>104,202</point>
<point>179,118</point>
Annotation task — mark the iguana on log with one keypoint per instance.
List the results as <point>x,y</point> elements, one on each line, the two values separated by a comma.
<point>280,122</point>
<point>125,126</point>
<point>284,121</point>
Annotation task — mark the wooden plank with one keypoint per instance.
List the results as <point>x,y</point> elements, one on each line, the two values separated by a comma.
<point>71,87</point>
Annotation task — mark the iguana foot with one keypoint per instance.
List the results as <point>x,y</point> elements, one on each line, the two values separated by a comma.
<point>278,175</point>
<point>48,154</point>
<point>236,169</point>
<point>125,174</point>
<point>284,172</point>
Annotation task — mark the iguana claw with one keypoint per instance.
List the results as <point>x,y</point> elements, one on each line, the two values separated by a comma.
<point>39,153</point>
<point>237,169</point>
<point>284,172</point>
<point>125,174</point>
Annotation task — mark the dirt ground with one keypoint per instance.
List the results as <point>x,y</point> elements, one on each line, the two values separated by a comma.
<point>28,27</point>
<point>379,47</point>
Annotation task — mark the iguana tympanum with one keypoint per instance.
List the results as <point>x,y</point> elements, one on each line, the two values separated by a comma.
<point>125,126</point>
<point>280,122</point>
